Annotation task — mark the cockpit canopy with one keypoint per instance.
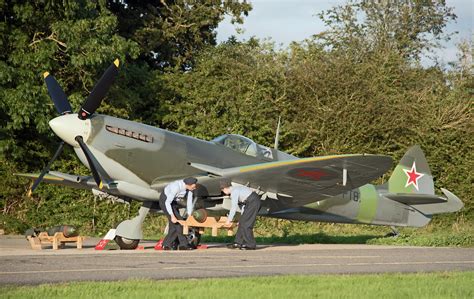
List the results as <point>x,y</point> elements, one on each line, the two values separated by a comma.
<point>244,145</point>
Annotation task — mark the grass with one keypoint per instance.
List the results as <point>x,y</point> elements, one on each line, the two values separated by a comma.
<point>441,239</point>
<point>421,285</point>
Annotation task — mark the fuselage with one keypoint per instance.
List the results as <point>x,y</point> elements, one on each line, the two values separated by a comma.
<point>147,156</point>
<point>363,205</point>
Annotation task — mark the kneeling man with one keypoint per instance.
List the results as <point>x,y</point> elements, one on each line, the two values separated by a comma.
<point>250,204</point>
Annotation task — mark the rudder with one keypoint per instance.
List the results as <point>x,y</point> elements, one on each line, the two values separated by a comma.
<point>412,174</point>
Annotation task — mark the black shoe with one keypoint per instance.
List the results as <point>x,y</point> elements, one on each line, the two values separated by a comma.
<point>168,248</point>
<point>185,248</point>
<point>245,247</point>
<point>233,246</point>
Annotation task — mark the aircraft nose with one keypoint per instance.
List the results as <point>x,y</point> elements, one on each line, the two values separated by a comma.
<point>56,125</point>
<point>69,126</point>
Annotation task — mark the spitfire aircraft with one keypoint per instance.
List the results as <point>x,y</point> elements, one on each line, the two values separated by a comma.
<point>133,161</point>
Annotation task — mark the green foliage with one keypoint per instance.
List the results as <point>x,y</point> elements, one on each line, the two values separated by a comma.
<point>75,41</point>
<point>458,233</point>
<point>12,225</point>
<point>446,239</point>
<point>233,88</point>
<point>170,33</point>
<point>336,98</point>
<point>406,27</point>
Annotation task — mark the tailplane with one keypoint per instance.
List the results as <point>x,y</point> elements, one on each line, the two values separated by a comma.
<point>451,203</point>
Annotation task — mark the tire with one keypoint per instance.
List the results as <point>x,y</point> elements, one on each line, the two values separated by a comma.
<point>127,244</point>
<point>194,237</point>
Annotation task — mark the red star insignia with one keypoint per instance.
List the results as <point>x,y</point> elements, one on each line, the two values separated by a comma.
<point>413,176</point>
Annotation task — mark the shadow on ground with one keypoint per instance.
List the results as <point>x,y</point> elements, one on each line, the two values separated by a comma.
<point>318,238</point>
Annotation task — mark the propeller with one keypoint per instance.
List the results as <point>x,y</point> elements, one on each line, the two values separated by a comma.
<point>46,168</point>
<point>99,174</point>
<point>100,90</point>
<point>57,94</point>
<point>88,108</point>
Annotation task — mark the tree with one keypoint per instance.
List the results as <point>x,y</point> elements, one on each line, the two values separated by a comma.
<point>234,87</point>
<point>171,32</point>
<point>73,40</point>
<point>409,26</point>
<point>336,95</point>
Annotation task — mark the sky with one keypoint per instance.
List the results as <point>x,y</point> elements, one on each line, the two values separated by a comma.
<point>284,21</point>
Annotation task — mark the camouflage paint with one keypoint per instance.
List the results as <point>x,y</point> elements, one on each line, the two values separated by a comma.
<point>368,203</point>
<point>292,162</point>
<point>398,180</point>
<point>97,125</point>
<point>164,159</point>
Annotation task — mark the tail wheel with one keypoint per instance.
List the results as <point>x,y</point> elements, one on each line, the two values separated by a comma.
<point>194,237</point>
<point>125,243</point>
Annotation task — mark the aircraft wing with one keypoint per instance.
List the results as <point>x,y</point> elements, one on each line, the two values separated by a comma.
<point>63,179</point>
<point>301,181</point>
<point>121,189</point>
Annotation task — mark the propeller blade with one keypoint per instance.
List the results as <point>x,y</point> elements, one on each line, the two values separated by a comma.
<point>100,90</point>
<point>99,174</point>
<point>57,94</point>
<point>46,168</point>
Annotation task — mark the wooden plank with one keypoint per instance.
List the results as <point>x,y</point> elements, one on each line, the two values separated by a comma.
<point>57,241</point>
<point>211,222</point>
<point>35,243</point>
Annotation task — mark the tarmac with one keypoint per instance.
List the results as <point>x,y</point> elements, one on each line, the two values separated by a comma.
<point>21,265</point>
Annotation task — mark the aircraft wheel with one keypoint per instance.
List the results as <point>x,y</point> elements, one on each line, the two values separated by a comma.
<point>194,237</point>
<point>125,243</point>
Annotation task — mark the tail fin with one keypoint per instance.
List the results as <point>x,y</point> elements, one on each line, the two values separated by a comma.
<point>412,184</point>
<point>412,174</point>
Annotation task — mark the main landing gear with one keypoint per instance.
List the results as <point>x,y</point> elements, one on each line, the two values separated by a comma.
<point>129,232</point>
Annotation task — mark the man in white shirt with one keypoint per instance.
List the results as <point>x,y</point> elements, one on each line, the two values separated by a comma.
<point>168,197</point>
<point>250,204</point>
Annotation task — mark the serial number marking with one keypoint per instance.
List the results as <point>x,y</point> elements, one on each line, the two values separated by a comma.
<point>352,195</point>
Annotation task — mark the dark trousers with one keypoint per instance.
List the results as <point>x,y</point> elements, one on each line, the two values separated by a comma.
<point>244,235</point>
<point>175,230</point>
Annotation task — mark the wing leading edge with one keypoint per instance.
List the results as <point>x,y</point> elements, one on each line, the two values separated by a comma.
<point>119,188</point>
<point>63,179</point>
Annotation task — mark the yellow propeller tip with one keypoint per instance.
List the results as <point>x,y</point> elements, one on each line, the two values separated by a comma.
<point>101,185</point>
<point>45,74</point>
<point>117,62</point>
